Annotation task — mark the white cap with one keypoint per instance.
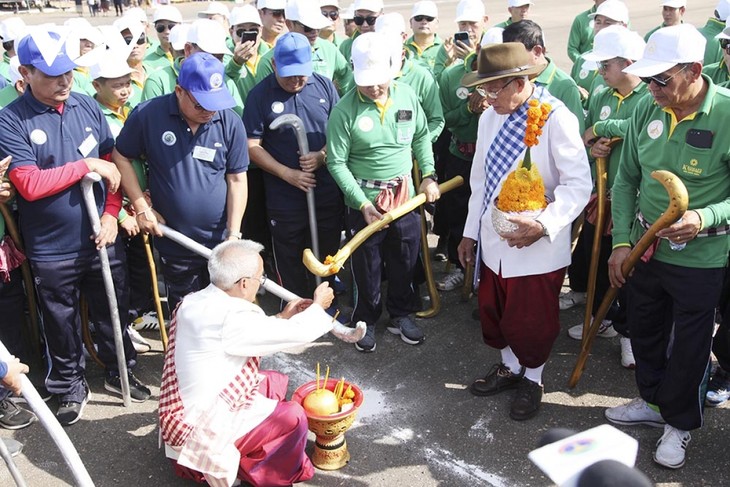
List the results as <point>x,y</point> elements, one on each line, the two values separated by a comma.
<point>668,47</point>
<point>725,34</point>
<point>391,24</point>
<point>179,36</point>
<point>425,7</point>
<point>492,36</point>
<point>80,28</point>
<point>723,9</point>
<point>369,5</point>
<point>329,3</point>
<point>370,67</point>
<point>209,35</point>
<point>470,11</point>
<point>12,29</point>
<point>614,10</point>
<point>674,3</point>
<point>272,4</point>
<point>137,14</point>
<point>110,67</point>
<point>214,8</point>
<point>616,41</point>
<point>518,3</point>
<point>130,24</point>
<point>245,15</point>
<point>167,12</point>
<point>113,40</point>
<point>15,75</point>
<point>307,13</point>
<point>348,13</point>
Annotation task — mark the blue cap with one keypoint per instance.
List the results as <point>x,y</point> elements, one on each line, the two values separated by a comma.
<point>30,54</point>
<point>202,76</point>
<point>293,55</point>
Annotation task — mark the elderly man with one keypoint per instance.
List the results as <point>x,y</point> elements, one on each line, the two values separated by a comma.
<point>221,417</point>
<point>295,89</point>
<point>165,18</point>
<point>525,265</point>
<point>370,137</point>
<point>671,310</point>
<point>195,150</point>
<point>55,138</point>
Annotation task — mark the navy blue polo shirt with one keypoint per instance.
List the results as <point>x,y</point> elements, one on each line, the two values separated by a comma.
<point>267,101</point>
<point>187,172</point>
<point>56,227</point>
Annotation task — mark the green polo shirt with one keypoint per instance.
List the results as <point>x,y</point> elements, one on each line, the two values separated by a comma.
<point>713,53</point>
<point>8,94</point>
<point>82,83</point>
<point>583,75</point>
<point>717,72</point>
<point>346,46</point>
<point>423,83</point>
<point>580,39</point>
<point>369,142</point>
<point>654,140</point>
<point>505,24</point>
<point>462,123</point>
<point>116,123</point>
<point>562,87</point>
<point>338,39</point>
<point>426,57</point>
<point>326,60</point>
<point>157,59</point>
<point>5,67</point>
<point>163,81</point>
<point>245,76</point>
<point>608,114</point>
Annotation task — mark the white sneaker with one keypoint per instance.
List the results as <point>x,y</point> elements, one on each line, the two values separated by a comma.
<point>672,447</point>
<point>604,331</point>
<point>147,321</point>
<point>140,344</point>
<point>451,281</point>
<point>637,411</point>
<point>627,354</point>
<point>570,299</point>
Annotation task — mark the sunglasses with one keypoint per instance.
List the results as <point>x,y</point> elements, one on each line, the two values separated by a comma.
<point>332,14</point>
<point>421,18</point>
<point>160,27</point>
<point>492,95</point>
<point>370,19</point>
<point>140,41</point>
<point>603,65</point>
<point>724,43</point>
<point>275,13</point>
<point>661,82</point>
<point>306,29</point>
<point>195,103</point>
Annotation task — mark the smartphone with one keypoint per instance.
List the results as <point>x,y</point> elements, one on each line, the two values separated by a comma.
<point>701,139</point>
<point>249,35</point>
<point>462,36</point>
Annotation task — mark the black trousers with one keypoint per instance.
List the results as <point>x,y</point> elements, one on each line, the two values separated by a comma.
<point>455,204</point>
<point>140,280</point>
<point>12,304</point>
<point>671,311</point>
<point>183,275</point>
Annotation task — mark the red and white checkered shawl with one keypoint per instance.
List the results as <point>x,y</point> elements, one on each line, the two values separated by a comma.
<point>237,395</point>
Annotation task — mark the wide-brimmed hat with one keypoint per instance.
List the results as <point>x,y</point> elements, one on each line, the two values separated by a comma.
<point>498,61</point>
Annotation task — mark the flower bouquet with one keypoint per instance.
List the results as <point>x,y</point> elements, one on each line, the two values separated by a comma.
<point>523,192</point>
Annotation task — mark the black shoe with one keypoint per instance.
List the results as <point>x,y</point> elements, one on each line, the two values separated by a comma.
<point>367,344</point>
<point>526,402</point>
<point>13,417</point>
<point>69,412</point>
<point>138,392</point>
<point>498,379</point>
<point>441,254</point>
<point>407,329</point>
<point>14,447</point>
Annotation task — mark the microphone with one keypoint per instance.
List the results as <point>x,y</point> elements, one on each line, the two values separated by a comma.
<point>610,473</point>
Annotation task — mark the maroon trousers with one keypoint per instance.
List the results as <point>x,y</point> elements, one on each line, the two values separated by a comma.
<point>521,312</point>
<point>272,454</point>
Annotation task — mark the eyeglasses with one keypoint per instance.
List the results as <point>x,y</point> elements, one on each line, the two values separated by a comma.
<point>492,95</point>
<point>370,19</point>
<point>724,43</point>
<point>306,29</point>
<point>161,27</point>
<point>274,13</point>
<point>603,65</point>
<point>332,14</point>
<point>661,82</point>
<point>261,279</point>
<point>195,103</point>
<point>141,40</point>
<point>421,18</point>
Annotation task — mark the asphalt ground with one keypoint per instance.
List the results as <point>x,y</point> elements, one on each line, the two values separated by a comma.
<point>418,425</point>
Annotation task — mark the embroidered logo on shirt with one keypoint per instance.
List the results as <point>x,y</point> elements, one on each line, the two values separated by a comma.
<point>365,124</point>
<point>216,81</point>
<point>462,92</point>
<point>169,138</point>
<point>692,168</point>
<point>38,137</point>
<point>583,73</point>
<point>655,129</point>
<point>605,112</point>
<point>598,88</point>
<point>277,107</point>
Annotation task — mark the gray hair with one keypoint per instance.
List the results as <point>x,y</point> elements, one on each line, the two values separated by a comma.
<point>233,260</point>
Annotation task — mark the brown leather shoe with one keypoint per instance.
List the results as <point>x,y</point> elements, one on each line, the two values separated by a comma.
<point>526,402</point>
<point>498,379</point>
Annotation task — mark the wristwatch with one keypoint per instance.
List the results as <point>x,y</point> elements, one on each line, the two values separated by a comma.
<point>544,228</point>
<point>433,177</point>
<point>227,233</point>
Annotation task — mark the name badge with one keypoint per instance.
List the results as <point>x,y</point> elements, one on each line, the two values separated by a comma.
<point>204,153</point>
<point>404,116</point>
<point>87,145</point>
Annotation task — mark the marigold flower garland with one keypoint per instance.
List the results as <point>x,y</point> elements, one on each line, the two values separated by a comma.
<point>524,189</point>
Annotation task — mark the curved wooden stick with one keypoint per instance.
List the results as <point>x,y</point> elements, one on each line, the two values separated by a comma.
<point>425,257</point>
<point>678,201</point>
<point>333,264</point>
<point>601,200</point>
<point>155,291</point>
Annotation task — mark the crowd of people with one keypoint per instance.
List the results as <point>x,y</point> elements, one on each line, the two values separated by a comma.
<point>180,121</point>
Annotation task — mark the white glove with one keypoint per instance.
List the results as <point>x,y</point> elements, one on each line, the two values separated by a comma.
<point>347,334</point>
